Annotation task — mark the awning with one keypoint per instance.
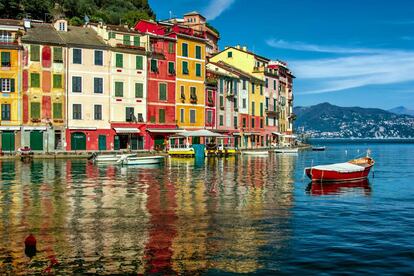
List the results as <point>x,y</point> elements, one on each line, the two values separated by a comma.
<point>41,128</point>
<point>126,130</point>
<point>9,128</point>
<point>277,133</point>
<point>200,133</point>
<point>158,130</point>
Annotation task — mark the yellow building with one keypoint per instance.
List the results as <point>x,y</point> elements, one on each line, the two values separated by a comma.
<point>190,77</point>
<point>10,84</point>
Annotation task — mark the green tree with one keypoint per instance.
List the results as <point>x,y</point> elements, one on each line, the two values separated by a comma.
<point>132,17</point>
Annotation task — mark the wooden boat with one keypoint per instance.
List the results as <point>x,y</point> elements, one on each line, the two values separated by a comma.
<point>318,148</point>
<point>146,160</point>
<point>108,158</point>
<point>287,150</point>
<point>352,170</point>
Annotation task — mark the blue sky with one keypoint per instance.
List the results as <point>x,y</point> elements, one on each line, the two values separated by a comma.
<point>346,52</point>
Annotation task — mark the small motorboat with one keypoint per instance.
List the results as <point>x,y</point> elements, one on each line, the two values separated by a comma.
<point>145,160</point>
<point>108,158</point>
<point>255,152</point>
<point>318,148</point>
<point>353,170</point>
<point>287,150</point>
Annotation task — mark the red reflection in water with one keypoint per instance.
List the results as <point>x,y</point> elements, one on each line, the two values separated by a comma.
<point>332,188</point>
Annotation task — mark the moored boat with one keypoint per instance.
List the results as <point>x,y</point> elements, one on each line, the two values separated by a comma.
<point>255,152</point>
<point>108,158</point>
<point>318,148</point>
<point>352,170</point>
<point>145,160</point>
<point>287,150</point>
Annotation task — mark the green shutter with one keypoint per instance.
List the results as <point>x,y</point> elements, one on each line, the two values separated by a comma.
<point>139,62</point>
<point>119,89</point>
<point>5,59</point>
<point>154,65</point>
<point>34,53</point>
<point>12,85</point>
<point>57,54</point>
<point>137,41</point>
<point>261,109</point>
<point>185,68</point>
<point>198,52</point>
<point>171,68</point>
<point>57,81</point>
<point>139,90</point>
<point>198,70</point>
<point>57,110</point>
<point>170,47</point>
<point>35,80</point>
<point>35,110</point>
<point>185,50</point>
<point>127,40</point>
<point>119,60</point>
<point>161,116</point>
<point>163,92</point>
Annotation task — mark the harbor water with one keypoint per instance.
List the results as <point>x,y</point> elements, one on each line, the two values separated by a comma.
<point>244,214</point>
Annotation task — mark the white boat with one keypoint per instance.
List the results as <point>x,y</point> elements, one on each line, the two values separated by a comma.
<point>287,150</point>
<point>146,160</point>
<point>109,158</point>
<point>255,152</point>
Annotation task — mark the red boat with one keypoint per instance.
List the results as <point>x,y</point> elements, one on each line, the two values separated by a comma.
<point>353,170</point>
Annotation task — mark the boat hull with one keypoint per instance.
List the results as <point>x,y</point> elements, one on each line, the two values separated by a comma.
<point>334,176</point>
<point>143,160</point>
<point>286,150</point>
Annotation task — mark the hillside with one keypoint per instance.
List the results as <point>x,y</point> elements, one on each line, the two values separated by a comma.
<point>330,121</point>
<point>402,110</point>
<point>108,11</point>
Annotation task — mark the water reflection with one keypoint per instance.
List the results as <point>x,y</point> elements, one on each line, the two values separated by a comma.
<point>361,187</point>
<point>186,217</point>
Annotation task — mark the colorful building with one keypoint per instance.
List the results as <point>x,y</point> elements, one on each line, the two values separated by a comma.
<point>43,87</point>
<point>211,97</point>
<point>10,84</point>
<point>161,84</point>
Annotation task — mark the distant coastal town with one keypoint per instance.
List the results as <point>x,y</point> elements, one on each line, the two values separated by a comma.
<point>101,87</point>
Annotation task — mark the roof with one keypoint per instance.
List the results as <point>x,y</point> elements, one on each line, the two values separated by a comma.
<point>11,22</point>
<point>121,29</point>
<point>82,37</point>
<point>194,13</point>
<point>248,52</point>
<point>42,33</point>
<point>236,71</point>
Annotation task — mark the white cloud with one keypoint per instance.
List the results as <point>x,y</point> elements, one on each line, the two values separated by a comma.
<point>216,8</point>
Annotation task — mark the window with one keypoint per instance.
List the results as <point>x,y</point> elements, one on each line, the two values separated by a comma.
<point>274,84</point>
<point>139,90</point>
<point>98,57</point>
<point>252,122</point>
<point>267,102</point>
<point>77,112</point>
<point>244,84</point>
<point>62,26</point>
<point>185,50</point>
<point>253,107</point>
<point>198,69</point>
<point>97,114</point>
<point>185,68</point>
<point>252,88</point>
<point>171,68</point>
<point>98,85</point>
<point>5,59</point>
<point>235,121</point>
<point>35,110</point>
<point>7,85</point>
<point>229,54</point>
<point>162,92</point>
<point>274,104</point>
<point>198,52</point>
<point>129,114</point>
<point>221,120</point>
<point>127,40</point>
<point>261,109</point>
<point>182,115</point>
<point>119,60</point>
<point>77,56</point>
<point>57,81</point>
<point>161,116</point>
<point>261,123</point>
<point>171,47</point>
<point>192,116</point>
<point>57,55</point>
<point>182,92</point>
<point>267,83</point>
<point>119,89</point>
<point>111,35</point>
<point>193,93</point>
<point>139,65</point>
<point>140,118</point>
<point>154,65</point>
<point>5,112</point>
<point>221,86</point>
<point>261,89</point>
<point>57,111</point>
<point>35,80</point>
<point>209,117</point>
<point>221,101</point>
<point>137,41</point>
<point>77,84</point>
<point>236,104</point>
<point>34,53</point>
<point>244,122</point>
<point>244,103</point>
<point>6,37</point>
<point>152,119</point>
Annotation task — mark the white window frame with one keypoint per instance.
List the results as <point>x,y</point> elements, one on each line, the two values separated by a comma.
<point>6,85</point>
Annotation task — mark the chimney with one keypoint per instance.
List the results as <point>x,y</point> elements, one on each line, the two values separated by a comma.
<point>26,23</point>
<point>238,47</point>
<point>244,48</point>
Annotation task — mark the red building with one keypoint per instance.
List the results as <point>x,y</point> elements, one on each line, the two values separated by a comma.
<point>211,92</point>
<point>161,121</point>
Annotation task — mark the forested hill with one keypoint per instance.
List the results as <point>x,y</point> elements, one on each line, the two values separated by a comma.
<point>330,121</point>
<point>108,11</point>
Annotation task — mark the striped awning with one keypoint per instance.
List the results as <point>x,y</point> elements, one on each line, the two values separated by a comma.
<point>126,130</point>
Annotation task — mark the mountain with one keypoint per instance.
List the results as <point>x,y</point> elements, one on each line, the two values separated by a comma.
<point>402,110</point>
<point>329,121</point>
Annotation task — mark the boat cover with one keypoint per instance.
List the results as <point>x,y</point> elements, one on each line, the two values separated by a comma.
<point>340,167</point>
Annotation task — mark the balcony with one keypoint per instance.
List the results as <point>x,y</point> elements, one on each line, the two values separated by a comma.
<point>210,101</point>
<point>211,82</point>
<point>141,46</point>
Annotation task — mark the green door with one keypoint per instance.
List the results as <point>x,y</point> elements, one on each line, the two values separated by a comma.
<point>116,143</point>
<point>134,142</point>
<point>159,143</point>
<point>236,142</point>
<point>78,141</point>
<point>196,140</point>
<point>36,140</point>
<point>102,142</point>
<point>7,141</point>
